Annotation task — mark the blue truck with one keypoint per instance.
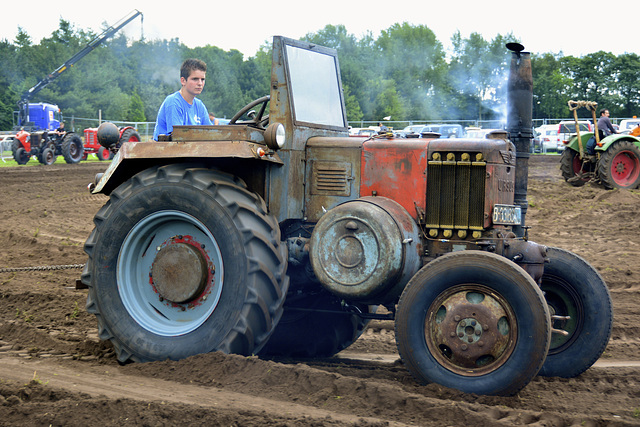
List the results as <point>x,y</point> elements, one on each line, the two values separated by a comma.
<point>40,131</point>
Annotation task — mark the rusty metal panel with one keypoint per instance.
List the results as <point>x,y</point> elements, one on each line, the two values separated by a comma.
<point>218,133</point>
<point>196,149</point>
<point>396,168</point>
<point>332,173</point>
<point>501,180</point>
<point>285,186</point>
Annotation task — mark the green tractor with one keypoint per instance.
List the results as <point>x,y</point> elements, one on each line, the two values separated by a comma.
<point>613,161</point>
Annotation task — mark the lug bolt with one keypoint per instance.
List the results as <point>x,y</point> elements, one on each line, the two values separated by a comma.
<point>456,318</point>
<point>480,343</point>
<point>463,347</point>
<point>470,339</point>
<point>452,334</point>
<point>485,327</point>
<point>478,333</point>
<point>463,323</point>
<point>473,323</point>
<point>460,334</point>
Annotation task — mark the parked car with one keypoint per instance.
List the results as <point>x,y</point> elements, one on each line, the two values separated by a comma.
<point>548,139</point>
<point>568,127</point>
<point>445,130</point>
<point>370,131</point>
<point>479,133</point>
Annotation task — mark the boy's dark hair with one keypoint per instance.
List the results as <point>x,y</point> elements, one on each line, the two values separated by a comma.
<point>190,65</point>
<point>601,111</point>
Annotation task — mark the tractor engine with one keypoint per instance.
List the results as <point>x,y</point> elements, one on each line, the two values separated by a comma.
<point>456,195</point>
<point>366,250</point>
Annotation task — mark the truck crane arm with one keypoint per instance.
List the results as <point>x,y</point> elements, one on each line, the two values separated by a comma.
<point>23,104</point>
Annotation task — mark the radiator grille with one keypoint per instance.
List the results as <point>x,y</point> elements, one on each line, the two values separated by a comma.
<point>455,193</point>
<point>89,137</point>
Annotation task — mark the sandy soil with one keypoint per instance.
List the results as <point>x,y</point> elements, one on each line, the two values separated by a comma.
<point>55,371</point>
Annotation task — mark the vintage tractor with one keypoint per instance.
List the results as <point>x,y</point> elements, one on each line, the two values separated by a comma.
<point>280,235</point>
<point>613,161</point>
<point>91,145</point>
<point>46,146</point>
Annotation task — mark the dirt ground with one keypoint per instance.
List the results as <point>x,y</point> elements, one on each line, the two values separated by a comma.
<point>55,371</point>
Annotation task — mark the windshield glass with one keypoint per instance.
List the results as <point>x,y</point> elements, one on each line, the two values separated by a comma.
<point>315,87</point>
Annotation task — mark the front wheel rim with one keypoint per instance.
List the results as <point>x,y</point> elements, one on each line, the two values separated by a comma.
<point>148,300</point>
<point>470,330</point>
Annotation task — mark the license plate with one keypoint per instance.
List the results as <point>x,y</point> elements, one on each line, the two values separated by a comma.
<point>507,215</point>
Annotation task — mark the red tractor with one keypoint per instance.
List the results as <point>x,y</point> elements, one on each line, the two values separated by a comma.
<point>279,235</point>
<point>46,146</point>
<point>91,145</point>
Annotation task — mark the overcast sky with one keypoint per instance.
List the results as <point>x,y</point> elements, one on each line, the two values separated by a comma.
<point>542,25</point>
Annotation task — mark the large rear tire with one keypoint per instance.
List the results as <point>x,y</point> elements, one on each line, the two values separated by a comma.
<point>573,170</point>
<point>185,261</point>
<point>619,166</point>
<point>129,135</point>
<point>72,148</point>
<point>473,321</point>
<point>574,289</point>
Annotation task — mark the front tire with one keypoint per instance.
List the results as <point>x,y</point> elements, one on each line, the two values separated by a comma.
<point>104,154</point>
<point>619,166</point>
<point>574,289</point>
<point>48,157</point>
<point>20,155</point>
<point>185,261</point>
<point>473,321</point>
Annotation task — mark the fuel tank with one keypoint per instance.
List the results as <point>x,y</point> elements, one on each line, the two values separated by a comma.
<point>366,250</point>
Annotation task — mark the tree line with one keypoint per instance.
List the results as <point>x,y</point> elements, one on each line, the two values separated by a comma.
<point>404,73</point>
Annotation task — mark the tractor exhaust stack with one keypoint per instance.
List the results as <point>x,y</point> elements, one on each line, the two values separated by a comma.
<point>519,122</point>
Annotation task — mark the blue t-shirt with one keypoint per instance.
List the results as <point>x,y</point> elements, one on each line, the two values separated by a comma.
<point>176,111</point>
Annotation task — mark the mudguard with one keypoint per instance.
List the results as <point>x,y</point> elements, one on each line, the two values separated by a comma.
<point>604,143</point>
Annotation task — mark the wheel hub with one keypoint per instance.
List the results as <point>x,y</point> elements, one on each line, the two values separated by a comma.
<point>179,272</point>
<point>470,332</point>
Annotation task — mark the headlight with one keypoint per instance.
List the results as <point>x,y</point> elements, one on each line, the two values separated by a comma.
<point>274,136</point>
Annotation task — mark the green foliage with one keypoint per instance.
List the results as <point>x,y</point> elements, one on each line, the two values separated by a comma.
<point>404,73</point>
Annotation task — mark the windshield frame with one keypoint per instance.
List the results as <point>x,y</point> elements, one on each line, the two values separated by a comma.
<point>328,97</point>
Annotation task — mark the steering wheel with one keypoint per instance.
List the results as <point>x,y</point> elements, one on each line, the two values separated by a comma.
<point>259,120</point>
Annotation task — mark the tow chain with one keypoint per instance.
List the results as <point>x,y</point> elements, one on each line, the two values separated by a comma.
<point>42,268</point>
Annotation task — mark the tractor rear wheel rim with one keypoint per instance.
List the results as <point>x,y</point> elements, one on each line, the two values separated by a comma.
<point>185,256</point>
<point>625,168</point>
